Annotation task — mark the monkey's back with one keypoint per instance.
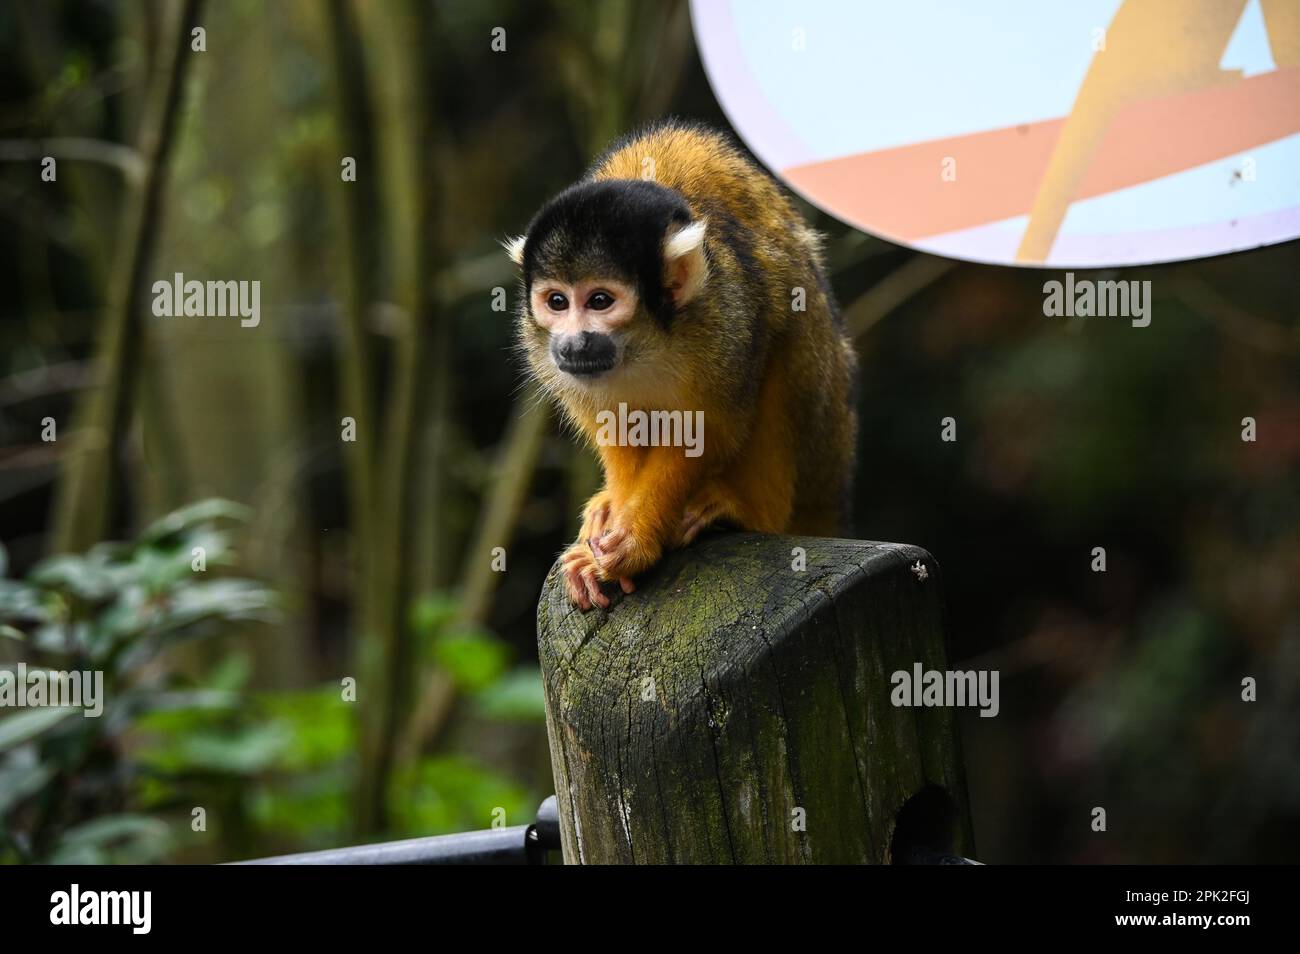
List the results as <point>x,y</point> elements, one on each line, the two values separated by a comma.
<point>707,168</point>
<point>763,258</point>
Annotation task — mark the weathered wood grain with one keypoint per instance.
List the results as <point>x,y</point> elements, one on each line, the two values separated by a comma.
<point>692,721</point>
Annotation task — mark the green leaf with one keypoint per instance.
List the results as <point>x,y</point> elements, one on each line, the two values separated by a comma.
<point>204,511</point>
<point>454,793</point>
<point>218,599</point>
<point>21,776</point>
<point>89,578</point>
<point>432,612</point>
<point>160,567</point>
<point>244,752</point>
<point>20,601</point>
<point>112,828</point>
<point>321,725</point>
<point>12,633</point>
<point>232,673</point>
<point>472,657</point>
<point>515,697</point>
<point>311,807</point>
<point>149,701</point>
<point>27,724</point>
<point>120,839</point>
<point>178,617</point>
<point>62,638</point>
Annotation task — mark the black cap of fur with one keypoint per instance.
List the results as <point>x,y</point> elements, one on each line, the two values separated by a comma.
<point>614,228</point>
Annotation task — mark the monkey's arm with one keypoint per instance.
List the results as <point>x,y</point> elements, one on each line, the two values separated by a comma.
<point>629,523</point>
<point>657,498</point>
<point>648,489</point>
<point>668,500</point>
<point>755,489</point>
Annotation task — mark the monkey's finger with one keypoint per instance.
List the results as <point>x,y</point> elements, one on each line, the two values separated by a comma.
<point>627,584</point>
<point>577,595</point>
<point>598,598</point>
<point>576,586</point>
<point>593,588</point>
<point>601,545</point>
<point>577,558</point>
<point>608,542</point>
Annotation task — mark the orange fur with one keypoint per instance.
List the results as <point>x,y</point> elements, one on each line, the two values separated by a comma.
<point>774,384</point>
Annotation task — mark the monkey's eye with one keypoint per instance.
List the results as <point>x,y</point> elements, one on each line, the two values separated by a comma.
<point>600,300</point>
<point>556,302</point>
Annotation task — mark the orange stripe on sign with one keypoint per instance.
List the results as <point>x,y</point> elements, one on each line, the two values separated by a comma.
<point>900,194</point>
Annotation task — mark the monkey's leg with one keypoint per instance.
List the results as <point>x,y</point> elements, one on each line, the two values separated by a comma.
<point>712,505</point>
<point>757,490</point>
<point>757,493</point>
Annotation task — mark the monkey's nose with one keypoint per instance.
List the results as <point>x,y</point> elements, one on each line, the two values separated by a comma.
<point>585,354</point>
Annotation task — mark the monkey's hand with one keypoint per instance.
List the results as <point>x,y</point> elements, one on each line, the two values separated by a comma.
<point>581,572</point>
<point>626,549</point>
<point>650,506</point>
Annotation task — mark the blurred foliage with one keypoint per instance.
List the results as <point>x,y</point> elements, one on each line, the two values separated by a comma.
<point>74,788</point>
<point>270,767</point>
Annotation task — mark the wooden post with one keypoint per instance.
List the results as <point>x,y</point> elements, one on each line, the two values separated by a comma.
<point>737,709</point>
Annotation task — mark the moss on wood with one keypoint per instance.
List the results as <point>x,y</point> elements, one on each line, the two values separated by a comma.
<point>692,721</point>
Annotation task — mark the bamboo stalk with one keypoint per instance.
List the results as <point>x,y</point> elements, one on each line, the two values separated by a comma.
<point>355,138</point>
<point>87,489</point>
<point>421,351</point>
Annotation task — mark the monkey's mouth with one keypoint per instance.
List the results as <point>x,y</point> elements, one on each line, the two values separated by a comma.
<point>586,367</point>
<point>585,355</point>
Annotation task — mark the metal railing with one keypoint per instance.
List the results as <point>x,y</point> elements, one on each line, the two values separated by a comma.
<point>518,845</point>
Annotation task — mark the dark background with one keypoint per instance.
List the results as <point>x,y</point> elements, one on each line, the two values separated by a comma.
<point>370,559</point>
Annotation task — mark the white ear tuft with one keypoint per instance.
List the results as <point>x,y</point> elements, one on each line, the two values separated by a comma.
<point>515,248</point>
<point>685,264</point>
<point>686,241</point>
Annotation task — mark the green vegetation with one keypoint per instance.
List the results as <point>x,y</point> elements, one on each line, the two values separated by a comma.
<point>263,767</point>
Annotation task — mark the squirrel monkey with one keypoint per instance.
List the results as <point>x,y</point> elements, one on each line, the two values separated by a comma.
<point>677,277</point>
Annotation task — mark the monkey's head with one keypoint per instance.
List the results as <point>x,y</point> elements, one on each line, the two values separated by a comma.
<point>607,268</point>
